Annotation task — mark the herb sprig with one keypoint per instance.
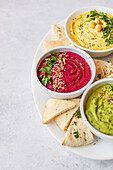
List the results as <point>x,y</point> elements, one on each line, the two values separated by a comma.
<point>50,62</point>
<point>45,80</point>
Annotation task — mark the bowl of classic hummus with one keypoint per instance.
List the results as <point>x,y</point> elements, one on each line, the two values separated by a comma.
<point>91,29</point>
<point>97,108</point>
<point>65,72</point>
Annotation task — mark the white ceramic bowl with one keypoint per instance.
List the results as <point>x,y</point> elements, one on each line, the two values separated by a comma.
<point>77,93</point>
<point>93,53</point>
<point>82,105</point>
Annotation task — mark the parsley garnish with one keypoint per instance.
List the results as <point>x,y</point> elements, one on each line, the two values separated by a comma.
<point>75,123</point>
<point>45,80</point>
<point>50,62</point>
<point>90,19</point>
<point>41,76</point>
<point>46,70</point>
<point>108,30</point>
<point>54,52</point>
<point>76,134</point>
<point>99,76</point>
<point>78,114</point>
<point>59,58</point>
<point>111,88</point>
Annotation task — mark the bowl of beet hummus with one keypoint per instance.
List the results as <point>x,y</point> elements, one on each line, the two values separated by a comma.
<point>65,72</point>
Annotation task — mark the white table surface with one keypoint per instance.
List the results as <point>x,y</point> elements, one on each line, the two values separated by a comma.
<point>25,144</point>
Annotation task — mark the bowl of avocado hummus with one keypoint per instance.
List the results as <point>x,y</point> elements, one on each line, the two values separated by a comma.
<point>91,29</point>
<point>97,108</point>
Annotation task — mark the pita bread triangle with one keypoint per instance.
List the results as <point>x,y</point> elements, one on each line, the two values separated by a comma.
<point>52,43</point>
<point>55,107</point>
<point>104,69</point>
<point>64,119</point>
<point>60,38</point>
<point>77,134</point>
<point>58,32</point>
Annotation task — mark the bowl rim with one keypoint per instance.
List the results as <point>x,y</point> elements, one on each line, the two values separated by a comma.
<point>70,49</point>
<point>95,131</point>
<point>68,37</point>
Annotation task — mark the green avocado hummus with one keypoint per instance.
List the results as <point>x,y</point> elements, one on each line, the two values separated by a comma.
<point>99,109</point>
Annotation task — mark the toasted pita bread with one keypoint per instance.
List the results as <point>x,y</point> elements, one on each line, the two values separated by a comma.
<point>104,69</point>
<point>60,38</point>
<point>77,100</point>
<point>55,107</point>
<point>110,76</point>
<point>111,61</point>
<point>58,32</point>
<point>52,44</point>
<point>64,119</point>
<point>85,136</point>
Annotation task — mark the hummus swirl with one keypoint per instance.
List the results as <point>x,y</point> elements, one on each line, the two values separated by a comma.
<point>85,36</point>
<point>69,74</point>
<point>99,109</point>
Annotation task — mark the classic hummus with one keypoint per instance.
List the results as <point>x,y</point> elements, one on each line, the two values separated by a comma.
<point>92,30</point>
<point>64,72</point>
<point>99,109</point>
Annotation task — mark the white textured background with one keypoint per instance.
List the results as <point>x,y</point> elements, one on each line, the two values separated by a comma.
<point>25,144</point>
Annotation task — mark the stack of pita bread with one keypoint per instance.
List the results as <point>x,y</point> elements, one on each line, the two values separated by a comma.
<point>64,111</point>
<point>64,114</point>
<point>59,37</point>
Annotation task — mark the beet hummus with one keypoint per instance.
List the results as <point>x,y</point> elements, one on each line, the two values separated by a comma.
<point>64,72</point>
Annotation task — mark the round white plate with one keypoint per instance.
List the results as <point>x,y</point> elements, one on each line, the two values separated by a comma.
<point>100,149</point>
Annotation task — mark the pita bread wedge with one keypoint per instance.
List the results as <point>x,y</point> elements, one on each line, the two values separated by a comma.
<point>55,107</point>
<point>52,44</point>
<point>103,69</point>
<point>77,100</point>
<point>110,76</point>
<point>64,119</point>
<point>58,32</point>
<point>77,134</point>
<point>111,61</point>
<point>59,37</point>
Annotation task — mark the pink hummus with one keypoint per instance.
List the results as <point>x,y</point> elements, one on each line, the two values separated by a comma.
<point>69,74</point>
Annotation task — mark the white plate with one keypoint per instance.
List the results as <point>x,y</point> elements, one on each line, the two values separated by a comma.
<point>102,150</point>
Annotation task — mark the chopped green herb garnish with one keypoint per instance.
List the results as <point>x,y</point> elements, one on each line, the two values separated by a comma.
<point>78,114</point>
<point>90,19</point>
<point>46,80</point>
<point>50,62</point>
<point>59,58</point>
<point>99,76</point>
<point>41,76</point>
<point>76,134</point>
<point>46,70</point>
<point>87,16</point>
<point>108,30</point>
<point>75,123</point>
<point>111,88</point>
<point>54,52</point>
